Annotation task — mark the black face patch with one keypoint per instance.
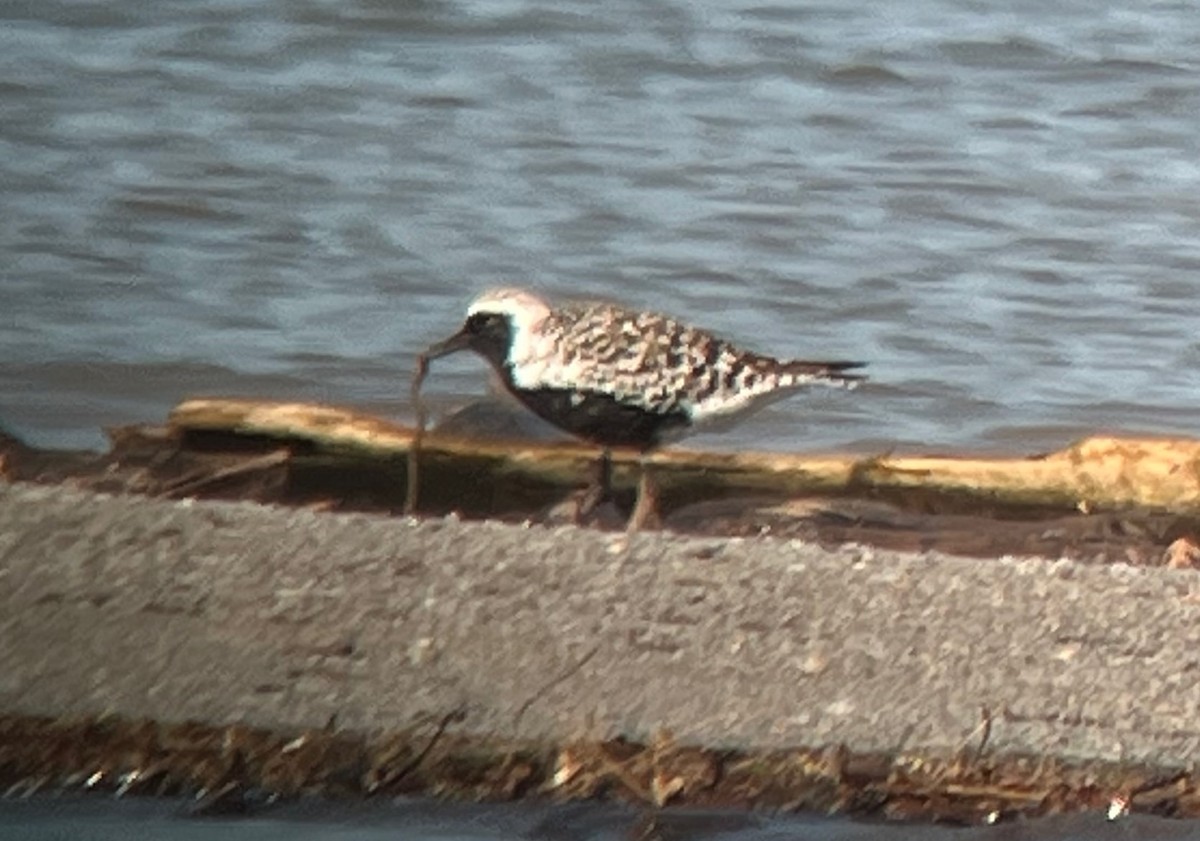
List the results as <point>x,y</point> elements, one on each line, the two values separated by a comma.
<point>600,419</point>
<point>489,334</point>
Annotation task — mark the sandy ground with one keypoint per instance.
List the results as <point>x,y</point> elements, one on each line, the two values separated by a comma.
<point>290,618</point>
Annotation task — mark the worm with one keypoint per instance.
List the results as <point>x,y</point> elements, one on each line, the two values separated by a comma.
<point>414,449</point>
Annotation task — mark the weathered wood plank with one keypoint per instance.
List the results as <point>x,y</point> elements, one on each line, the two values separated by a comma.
<point>1095,473</point>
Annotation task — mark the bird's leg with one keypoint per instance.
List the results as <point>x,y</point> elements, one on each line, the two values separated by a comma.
<point>598,488</point>
<point>645,511</point>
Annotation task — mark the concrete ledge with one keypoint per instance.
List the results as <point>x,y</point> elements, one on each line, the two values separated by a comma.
<point>285,619</point>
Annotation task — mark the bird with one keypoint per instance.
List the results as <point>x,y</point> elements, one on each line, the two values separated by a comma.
<point>625,378</point>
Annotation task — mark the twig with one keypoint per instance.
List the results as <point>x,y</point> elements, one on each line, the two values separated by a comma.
<point>986,715</point>
<point>187,484</point>
<point>553,683</point>
<point>453,717</point>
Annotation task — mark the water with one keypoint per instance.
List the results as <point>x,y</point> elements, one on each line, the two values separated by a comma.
<point>994,205</point>
<point>105,819</point>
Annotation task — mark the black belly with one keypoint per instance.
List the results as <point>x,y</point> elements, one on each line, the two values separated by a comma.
<point>601,419</point>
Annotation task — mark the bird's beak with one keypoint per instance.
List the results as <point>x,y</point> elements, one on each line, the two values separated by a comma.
<point>459,341</point>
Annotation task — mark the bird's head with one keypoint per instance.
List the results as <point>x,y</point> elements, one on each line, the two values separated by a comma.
<point>501,324</point>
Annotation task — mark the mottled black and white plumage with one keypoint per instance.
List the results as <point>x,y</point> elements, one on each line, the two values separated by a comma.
<point>623,378</point>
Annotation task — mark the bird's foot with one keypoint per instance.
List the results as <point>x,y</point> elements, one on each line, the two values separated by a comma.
<point>645,512</point>
<point>583,509</point>
<point>591,505</point>
<point>588,500</point>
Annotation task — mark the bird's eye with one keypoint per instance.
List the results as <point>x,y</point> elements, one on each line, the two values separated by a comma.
<point>485,321</point>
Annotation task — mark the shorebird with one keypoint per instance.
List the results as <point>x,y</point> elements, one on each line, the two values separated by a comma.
<point>617,377</point>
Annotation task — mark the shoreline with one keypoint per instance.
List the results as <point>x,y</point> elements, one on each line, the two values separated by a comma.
<point>890,679</point>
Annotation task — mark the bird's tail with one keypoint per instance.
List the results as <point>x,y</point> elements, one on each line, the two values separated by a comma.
<point>828,373</point>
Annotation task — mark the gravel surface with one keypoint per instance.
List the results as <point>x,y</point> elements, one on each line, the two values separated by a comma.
<point>286,618</point>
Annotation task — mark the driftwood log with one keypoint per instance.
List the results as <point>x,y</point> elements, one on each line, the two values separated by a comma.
<point>1101,500</point>
<point>1103,472</point>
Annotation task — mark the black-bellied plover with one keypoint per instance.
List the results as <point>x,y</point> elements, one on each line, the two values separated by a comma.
<point>623,378</point>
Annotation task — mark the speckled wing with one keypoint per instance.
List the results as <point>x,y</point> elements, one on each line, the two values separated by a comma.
<point>642,359</point>
<point>660,365</point>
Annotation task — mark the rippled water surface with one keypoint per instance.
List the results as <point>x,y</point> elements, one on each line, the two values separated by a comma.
<point>103,818</point>
<point>996,205</point>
